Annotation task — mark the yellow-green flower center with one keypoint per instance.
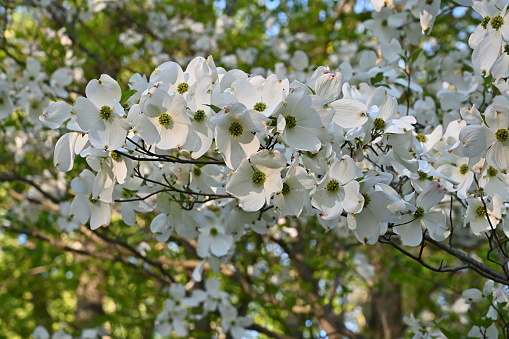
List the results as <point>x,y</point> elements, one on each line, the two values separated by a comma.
<point>235,129</point>
<point>422,175</point>
<point>182,87</point>
<point>485,21</point>
<point>286,189</point>
<point>312,155</point>
<point>105,112</point>
<point>367,199</point>
<point>116,156</point>
<point>420,137</point>
<point>419,212</point>
<point>34,105</point>
<point>506,49</point>
<point>332,186</point>
<point>92,200</point>
<point>260,106</point>
<point>291,122</point>
<point>502,135</point>
<point>164,119</point>
<point>481,211</point>
<point>464,169</point>
<point>197,171</point>
<point>258,178</point>
<point>213,231</point>
<point>379,124</point>
<point>497,22</point>
<point>491,171</point>
<point>199,115</point>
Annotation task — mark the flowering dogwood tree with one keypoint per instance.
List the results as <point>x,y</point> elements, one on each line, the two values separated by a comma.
<point>250,198</point>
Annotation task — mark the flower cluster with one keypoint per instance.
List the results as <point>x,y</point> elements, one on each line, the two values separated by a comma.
<point>374,148</point>
<point>173,317</point>
<point>188,143</point>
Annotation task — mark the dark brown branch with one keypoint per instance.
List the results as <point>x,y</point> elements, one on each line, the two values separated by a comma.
<point>260,329</point>
<point>16,177</point>
<point>386,240</point>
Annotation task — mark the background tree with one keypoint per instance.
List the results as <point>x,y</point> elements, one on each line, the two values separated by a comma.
<point>294,281</point>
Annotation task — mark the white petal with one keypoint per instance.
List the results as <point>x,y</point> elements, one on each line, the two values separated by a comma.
<point>498,157</point>
<point>349,113</point>
<point>64,154</point>
<point>476,139</point>
<point>102,92</point>
<point>87,114</point>
<point>411,234</point>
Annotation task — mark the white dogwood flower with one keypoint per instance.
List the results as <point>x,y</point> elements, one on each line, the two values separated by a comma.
<point>256,179</point>
<point>99,114</point>
<point>234,127</point>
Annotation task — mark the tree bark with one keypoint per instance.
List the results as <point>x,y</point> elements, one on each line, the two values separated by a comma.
<point>384,310</point>
<point>90,296</point>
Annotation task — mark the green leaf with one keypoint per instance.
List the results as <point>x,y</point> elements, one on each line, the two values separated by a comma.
<point>475,321</point>
<point>120,84</point>
<point>416,54</point>
<point>214,108</point>
<point>126,95</point>
<point>484,119</point>
<point>377,78</point>
<point>447,333</point>
<point>52,99</point>
<point>272,121</point>
<point>312,91</point>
